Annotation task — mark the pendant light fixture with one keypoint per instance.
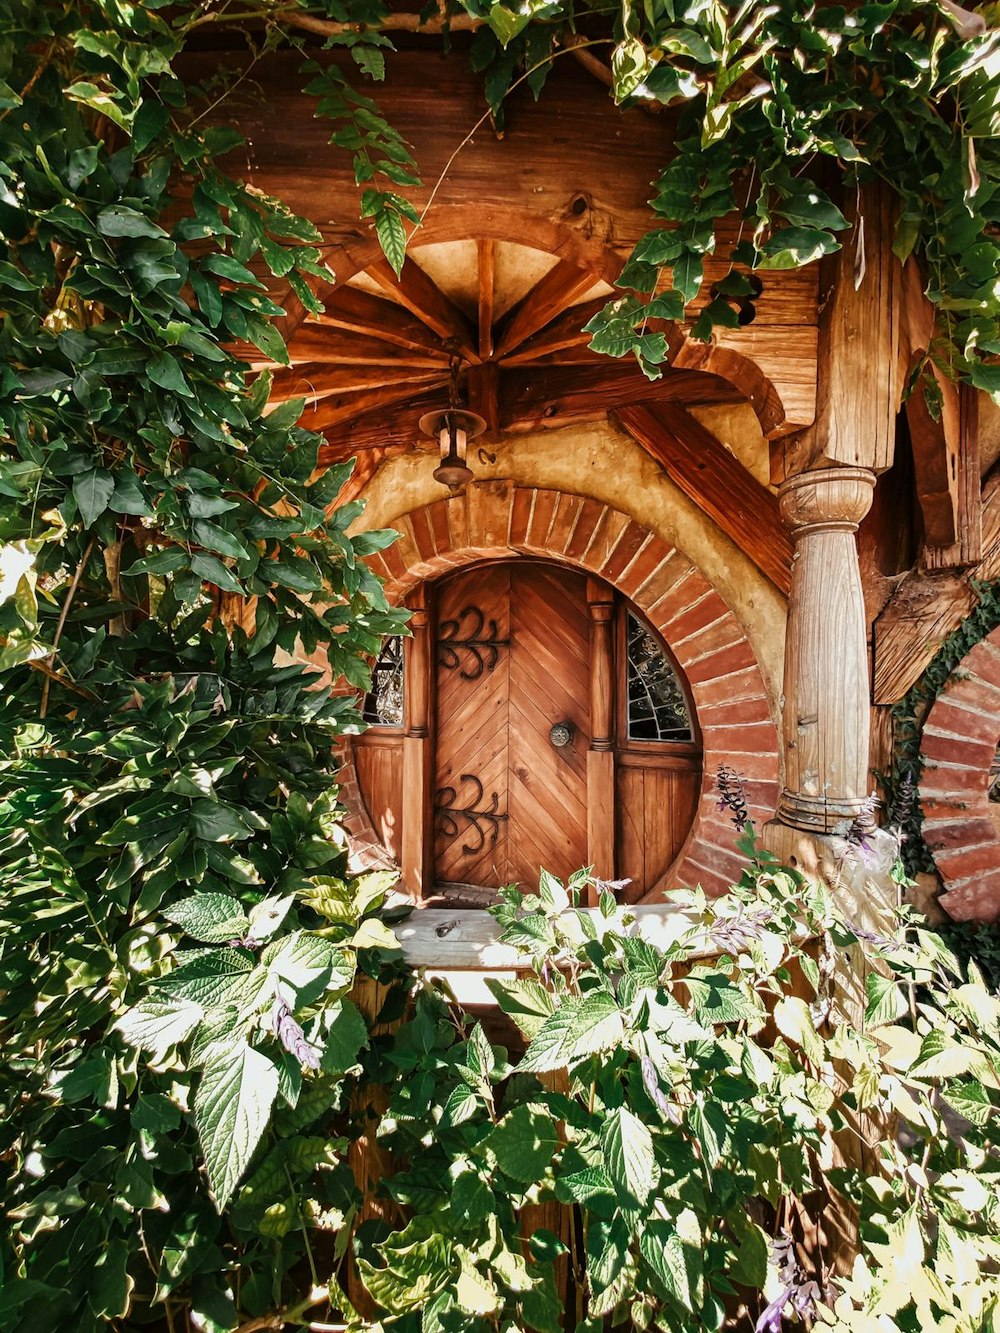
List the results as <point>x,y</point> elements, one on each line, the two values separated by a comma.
<point>453,429</point>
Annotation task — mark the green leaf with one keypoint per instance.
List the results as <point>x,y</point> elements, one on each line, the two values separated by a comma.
<point>92,490</point>
<point>886,1001</point>
<point>629,1158</point>
<point>165,371</point>
<point>346,1037</point>
<point>212,570</point>
<point>119,220</point>
<point>157,1025</point>
<point>232,1108</point>
<point>391,235</point>
<point>217,979</point>
<point>523,1143</point>
<point>212,918</point>
<point>218,539</point>
<point>214,822</point>
<point>577,1029</point>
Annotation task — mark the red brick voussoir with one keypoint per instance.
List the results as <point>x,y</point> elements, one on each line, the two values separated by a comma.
<point>957,747</point>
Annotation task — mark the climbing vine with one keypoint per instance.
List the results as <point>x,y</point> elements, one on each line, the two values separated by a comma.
<point>909,714</point>
<point>183,954</point>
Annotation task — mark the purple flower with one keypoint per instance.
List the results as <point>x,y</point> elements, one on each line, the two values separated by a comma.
<point>770,1320</point>
<point>291,1036</point>
<point>732,795</point>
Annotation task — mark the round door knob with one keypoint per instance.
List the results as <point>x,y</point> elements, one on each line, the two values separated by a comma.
<point>561,734</point>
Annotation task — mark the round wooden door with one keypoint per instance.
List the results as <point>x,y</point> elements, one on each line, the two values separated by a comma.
<point>513,725</point>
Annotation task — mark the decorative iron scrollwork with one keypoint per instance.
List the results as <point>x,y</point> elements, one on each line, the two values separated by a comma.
<point>479,639</point>
<point>484,823</point>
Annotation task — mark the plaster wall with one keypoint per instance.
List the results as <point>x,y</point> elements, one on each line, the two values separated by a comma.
<point>604,464</point>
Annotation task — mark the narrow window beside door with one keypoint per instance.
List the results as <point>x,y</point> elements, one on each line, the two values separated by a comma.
<point>657,708</point>
<point>384,701</point>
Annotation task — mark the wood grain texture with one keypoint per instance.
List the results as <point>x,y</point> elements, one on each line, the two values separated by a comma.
<point>496,727</point>
<point>717,482</point>
<point>655,805</point>
<point>961,448</point>
<point>550,296</point>
<point>859,374</point>
<point>378,758</point>
<point>928,605</point>
<point>825,717</point>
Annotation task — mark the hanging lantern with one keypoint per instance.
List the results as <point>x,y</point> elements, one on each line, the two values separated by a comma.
<point>453,429</point>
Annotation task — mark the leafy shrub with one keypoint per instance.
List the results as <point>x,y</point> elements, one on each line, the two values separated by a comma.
<point>666,1150</point>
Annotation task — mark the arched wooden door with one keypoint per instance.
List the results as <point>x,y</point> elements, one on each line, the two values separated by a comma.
<point>533,720</point>
<point>513,725</point>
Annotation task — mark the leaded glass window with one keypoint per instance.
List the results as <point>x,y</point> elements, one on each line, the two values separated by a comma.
<point>384,702</point>
<point>657,708</point>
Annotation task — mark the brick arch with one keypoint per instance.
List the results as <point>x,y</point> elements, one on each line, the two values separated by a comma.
<point>958,744</point>
<point>498,519</point>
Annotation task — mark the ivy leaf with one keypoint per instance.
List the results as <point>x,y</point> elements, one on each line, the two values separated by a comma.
<point>212,918</point>
<point>219,539</point>
<point>232,1107</point>
<point>92,491</point>
<point>628,1157</point>
<point>119,220</point>
<point>391,235</point>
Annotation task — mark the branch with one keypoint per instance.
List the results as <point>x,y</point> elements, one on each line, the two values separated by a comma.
<point>273,1323</point>
<point>51,675</point>
<point>393,22</point>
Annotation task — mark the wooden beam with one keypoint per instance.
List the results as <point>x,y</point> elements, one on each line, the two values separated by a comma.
<point>548,298</point>
<point>340,408</point>
<point>318,382</point>
<point>859,383</point>
<point>564,334</point>
<point>935,457</point>
<point>469,941</point>
<point>530,399</point>
<point>961,449</point>
<point>486,255</point>
<point>928,606</point>
<point>323,343</point>
<point>482,385</point>
<point>388,425</point>
<point>357,311</point>
<point>423,298</point>
<point>718,483</point>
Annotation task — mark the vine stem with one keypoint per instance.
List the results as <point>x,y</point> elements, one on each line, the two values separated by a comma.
<point>577,47</point>
<point>61,623</point>
<point>273,1323</point>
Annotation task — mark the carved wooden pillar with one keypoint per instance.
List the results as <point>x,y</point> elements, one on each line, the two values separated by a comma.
<point>601,758</point>
<point>418,748</point>
<point>825,711</point>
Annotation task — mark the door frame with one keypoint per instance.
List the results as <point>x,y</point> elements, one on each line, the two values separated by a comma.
<point>503,520</point>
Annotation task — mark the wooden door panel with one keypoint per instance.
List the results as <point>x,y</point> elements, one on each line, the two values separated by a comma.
<point>549,683</point>
<point>473,687</point>
<point>494,715</point>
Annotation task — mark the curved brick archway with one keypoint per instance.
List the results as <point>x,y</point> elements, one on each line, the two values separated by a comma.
<point>958,745</point>
<point>496,520</point>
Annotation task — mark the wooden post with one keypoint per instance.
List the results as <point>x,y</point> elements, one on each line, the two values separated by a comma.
<point>825,715</point>
<point>418,748</point>
<point>601,758</point>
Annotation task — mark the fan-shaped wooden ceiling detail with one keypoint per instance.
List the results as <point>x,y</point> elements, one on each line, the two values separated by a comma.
<point>380,355</point>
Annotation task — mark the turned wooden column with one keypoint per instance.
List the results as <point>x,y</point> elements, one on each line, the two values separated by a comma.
<point>601,758</point>
<point>418,749</point>
<point>825,710</point>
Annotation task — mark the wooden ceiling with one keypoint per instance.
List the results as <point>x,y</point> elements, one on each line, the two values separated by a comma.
<point>380,355</point>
